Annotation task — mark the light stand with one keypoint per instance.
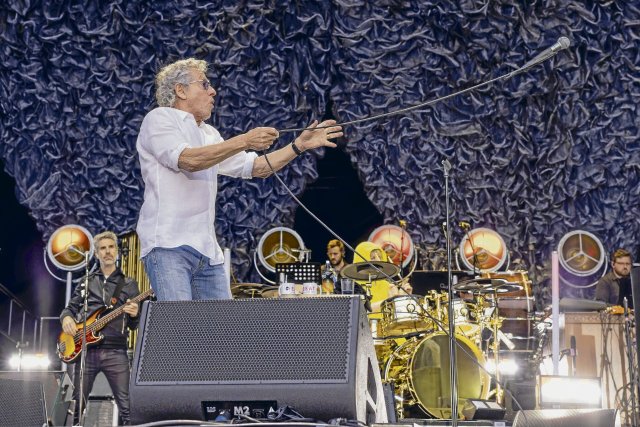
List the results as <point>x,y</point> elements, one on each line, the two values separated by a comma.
<point>453,375</point>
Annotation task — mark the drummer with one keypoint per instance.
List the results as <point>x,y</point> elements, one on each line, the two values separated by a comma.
<point>382,289</point>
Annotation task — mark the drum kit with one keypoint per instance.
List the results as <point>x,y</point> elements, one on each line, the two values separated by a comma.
<point>411,338</point>
<point>411,333</point>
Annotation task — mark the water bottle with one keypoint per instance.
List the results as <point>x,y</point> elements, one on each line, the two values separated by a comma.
<point>328,279</point>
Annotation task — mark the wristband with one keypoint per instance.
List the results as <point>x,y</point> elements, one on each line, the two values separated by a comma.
<point>296,149</point>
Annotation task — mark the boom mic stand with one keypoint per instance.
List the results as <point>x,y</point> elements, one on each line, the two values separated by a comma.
<point>453,375</point>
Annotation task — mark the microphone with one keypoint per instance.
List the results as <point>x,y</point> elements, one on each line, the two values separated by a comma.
<point>561,44</point>
<point>464,225</point>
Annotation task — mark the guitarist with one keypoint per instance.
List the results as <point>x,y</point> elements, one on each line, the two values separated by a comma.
<point>109,288</point>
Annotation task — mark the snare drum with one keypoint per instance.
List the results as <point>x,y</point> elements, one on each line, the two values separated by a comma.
<point>405,314</point>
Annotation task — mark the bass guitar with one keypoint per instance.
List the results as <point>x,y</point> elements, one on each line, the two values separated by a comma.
<point>70,346</point>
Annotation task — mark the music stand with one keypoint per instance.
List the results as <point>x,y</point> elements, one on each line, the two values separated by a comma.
<point>299,272</point>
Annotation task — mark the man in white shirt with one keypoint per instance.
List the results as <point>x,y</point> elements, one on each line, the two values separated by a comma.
<point>180,158</point>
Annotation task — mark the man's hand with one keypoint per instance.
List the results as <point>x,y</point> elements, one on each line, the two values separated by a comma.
<point>406,286</point>
<point>310,139</point>
<point>260,139</point>
<point>131,308</point>
<point>69,326</point>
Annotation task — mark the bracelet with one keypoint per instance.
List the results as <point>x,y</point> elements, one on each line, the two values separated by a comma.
<point>296,149</point>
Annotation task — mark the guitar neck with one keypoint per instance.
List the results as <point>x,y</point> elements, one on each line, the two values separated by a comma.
<point>103,321</point>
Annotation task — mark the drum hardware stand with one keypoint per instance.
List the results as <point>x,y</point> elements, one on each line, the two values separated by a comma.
<point>633,372</point>
<point>495,323</point>
<point>403,225</point>
<point>453,377</point>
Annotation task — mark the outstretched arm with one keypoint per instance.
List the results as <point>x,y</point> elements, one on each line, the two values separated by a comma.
<point>308,140</point>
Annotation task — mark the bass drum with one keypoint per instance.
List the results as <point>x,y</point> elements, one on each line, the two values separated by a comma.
<point>420,370</point>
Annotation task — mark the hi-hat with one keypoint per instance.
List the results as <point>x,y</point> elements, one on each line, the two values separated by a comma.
<point>487,286</point>
<point>366,270</point>
<point>244,290</point>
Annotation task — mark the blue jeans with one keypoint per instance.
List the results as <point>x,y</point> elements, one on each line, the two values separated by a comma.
<point>182,274</point>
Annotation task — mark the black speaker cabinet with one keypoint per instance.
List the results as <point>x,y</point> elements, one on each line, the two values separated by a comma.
<point>22,403</point>
<point>34,398</point>
<point>194,359</point>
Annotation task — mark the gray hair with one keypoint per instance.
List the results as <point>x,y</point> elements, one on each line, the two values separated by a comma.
<point>104,235</point>
<point>170,75</point>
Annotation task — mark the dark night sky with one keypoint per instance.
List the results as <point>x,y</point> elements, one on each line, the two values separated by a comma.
<point>22,269</point>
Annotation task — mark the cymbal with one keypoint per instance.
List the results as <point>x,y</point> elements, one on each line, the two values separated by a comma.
<point>269,292</point>
<point>365,271</point>
<point>487,286</point>
<point>252,290</point>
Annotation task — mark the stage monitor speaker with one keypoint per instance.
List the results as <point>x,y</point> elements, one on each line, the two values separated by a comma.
<point>195,359</point>
<point>22,403</point>
<point>567,418</point>
<point>54,388</point>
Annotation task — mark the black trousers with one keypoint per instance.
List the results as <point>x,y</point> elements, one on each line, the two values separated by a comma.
<point>114,363</point>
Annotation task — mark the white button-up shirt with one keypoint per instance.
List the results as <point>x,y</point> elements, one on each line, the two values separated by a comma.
<point>179,207</point>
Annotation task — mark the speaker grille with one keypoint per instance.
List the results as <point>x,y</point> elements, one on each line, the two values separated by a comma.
<point>297,340</point>
<point>21,403</point>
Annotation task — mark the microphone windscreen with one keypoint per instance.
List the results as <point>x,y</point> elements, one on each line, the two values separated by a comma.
<point>564,42</point>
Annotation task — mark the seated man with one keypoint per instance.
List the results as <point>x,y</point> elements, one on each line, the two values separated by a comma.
<point>616,284</point>
<point>335,254</point>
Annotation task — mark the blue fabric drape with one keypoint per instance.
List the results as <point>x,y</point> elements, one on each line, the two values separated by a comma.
<point>549,151</point>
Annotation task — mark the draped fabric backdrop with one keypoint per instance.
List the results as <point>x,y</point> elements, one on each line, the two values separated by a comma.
<point>552,150</point>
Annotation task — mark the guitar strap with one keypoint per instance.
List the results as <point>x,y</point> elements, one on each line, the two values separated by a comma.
<point>117,290</point>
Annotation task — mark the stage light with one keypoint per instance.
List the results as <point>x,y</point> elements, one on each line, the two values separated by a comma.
<point>546,366</point>
<point>484,250</point>
<point>567,418</point>
<point>508,367</point>
<point>569,392</point>
<point>67,246</point>
<point>29,362</point>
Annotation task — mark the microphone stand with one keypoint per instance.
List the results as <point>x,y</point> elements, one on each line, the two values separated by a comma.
<point>83,353</point>
<point>446,167</point>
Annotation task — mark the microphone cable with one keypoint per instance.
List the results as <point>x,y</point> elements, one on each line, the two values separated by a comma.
<point>563,42</point>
